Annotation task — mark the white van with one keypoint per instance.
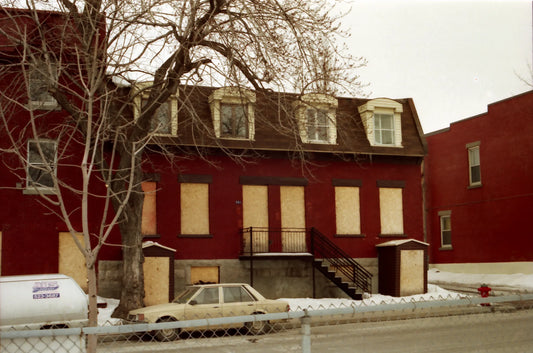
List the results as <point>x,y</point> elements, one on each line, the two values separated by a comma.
<point>37,302</point>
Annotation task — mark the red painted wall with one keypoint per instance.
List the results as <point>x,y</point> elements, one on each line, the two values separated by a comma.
<point>226,196</point>
<point>490,223</point>
<point>31,235</point>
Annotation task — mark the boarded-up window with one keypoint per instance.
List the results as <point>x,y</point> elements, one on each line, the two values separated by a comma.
<point>255,214</point>
<point>0,253</point>
<point>71,260</point>
<point>204,274</point>
<point>194,202</point>
<point>391,210</point>
<point>292,216</point>
<point>347,210</point>
<point>149,219</point>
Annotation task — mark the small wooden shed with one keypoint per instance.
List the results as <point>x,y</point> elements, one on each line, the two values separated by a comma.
<point>403,267</point>
<point>158,269</point>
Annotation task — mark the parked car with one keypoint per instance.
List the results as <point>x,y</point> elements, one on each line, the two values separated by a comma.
<point>210,301</point>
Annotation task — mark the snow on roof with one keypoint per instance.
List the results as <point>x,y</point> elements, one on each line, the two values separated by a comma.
<point>400,242</point>
<point>150,243</point>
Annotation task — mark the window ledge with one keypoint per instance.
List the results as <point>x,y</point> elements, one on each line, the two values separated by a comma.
<point>392,235</point>
<point>39,191</point>
<point>38,105</point>
<point>235,138</point>
<point>151,236</point>
<point>195,235</point>
<point>320,142</point>
<point>350,236</point>
<point>389,146</point>
<point>446,247</point>
<point>474,186</point>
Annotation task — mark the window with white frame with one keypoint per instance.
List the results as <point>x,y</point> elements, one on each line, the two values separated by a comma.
<point>164,122</point>
<point>383,129</point>
<point>41,165</point>
<point>382,119</point>
<point>474,164</point>
<point>317,125</point>
<point>316,115</point>
<point>445,228</point>
<point>233,121</point>
<point>232,111</point>
<point>42,77</point>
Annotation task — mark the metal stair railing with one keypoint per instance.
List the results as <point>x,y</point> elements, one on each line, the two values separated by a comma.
<point>323,248</point>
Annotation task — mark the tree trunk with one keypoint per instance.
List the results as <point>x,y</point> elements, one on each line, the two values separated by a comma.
<point>93,306</point>
<point>132,290</point>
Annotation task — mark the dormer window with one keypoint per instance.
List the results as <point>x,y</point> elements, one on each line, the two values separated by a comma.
<point>165,119</point>
<point>232,111</point>
<point>316,115</point>
<point>382,121</point>
<point>233,121</point>
<point>42,77</point>
<point>384,129</point>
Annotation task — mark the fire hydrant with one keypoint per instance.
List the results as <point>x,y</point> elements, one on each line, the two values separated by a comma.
<point>484,291</point>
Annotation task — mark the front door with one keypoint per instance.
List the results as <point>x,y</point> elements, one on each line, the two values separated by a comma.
<point>255,214</point>
<point>293,218</point>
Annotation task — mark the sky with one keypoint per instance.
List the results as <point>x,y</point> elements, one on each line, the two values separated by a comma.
<point>453,57</point>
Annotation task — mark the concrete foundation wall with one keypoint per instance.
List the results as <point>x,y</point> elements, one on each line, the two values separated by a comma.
<point>279,278</point>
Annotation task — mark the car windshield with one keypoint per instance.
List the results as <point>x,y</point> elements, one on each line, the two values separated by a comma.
<point>184,296</point>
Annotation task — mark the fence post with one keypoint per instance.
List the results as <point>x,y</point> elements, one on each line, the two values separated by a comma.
<point>306,333</point>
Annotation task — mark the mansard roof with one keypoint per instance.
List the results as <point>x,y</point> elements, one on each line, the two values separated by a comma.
<point>277,130</point>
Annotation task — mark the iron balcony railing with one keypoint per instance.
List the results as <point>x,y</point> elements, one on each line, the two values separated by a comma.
<point>262,241</point>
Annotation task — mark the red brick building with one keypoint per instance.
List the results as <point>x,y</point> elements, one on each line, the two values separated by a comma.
<point>479,190</point>
<point>251,187</point>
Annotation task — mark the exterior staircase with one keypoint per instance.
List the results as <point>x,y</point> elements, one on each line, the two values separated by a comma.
<point>348,275</point>
<point>328,258</point>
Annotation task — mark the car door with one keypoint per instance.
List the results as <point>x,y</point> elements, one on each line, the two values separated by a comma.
<point>205,305</point>
<point>237,301</point>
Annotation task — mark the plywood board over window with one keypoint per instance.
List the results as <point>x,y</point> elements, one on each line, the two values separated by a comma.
<point>255,214</point>
<point>292,216</point>
<point>0,253</point>
<point>149,217</point>
<point>347,210</point>
<point>194,208</point>
<point>391,211</point>
<point>71,260</point>
<point>205,274</point>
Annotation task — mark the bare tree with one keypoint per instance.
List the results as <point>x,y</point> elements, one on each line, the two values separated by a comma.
<point>101,49</point>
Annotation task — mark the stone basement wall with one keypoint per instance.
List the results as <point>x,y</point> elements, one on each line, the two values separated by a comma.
<point>285,278</point>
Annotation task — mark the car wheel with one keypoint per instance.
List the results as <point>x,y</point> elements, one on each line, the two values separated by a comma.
<point>169,334</point>
<point>256,327</point>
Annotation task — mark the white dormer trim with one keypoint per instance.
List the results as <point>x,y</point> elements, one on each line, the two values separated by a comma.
<point>141,91</point>
<point>319,102</point>
<point>233,95</point>
<point>382,106</point>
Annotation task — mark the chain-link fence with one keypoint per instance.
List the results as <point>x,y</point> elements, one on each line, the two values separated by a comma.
<point>449,324</point>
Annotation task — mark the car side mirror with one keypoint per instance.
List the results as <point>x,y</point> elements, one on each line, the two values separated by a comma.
<point>193,302</point>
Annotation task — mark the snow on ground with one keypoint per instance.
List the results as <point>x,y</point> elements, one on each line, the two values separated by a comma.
<point>518,282</point>
<point>434,293</point>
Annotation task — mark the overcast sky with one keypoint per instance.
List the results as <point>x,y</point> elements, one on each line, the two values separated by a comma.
<point>452,57</point>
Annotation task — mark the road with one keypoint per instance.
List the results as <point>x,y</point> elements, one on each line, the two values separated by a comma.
<point>491,332</point>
